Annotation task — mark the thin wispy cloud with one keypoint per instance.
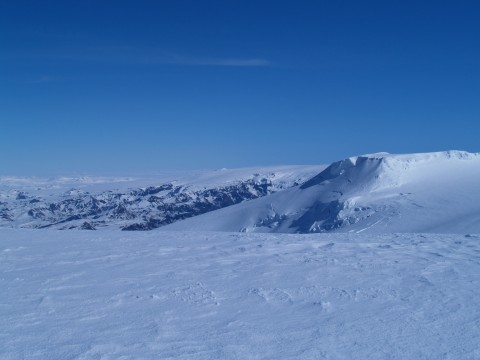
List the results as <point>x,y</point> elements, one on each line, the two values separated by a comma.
<point>130,55</point>
<point>238,62</point>
<point>144,56</point>
<point>45,79</point>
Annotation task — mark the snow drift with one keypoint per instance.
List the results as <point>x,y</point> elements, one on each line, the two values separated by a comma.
<point>431,192</point>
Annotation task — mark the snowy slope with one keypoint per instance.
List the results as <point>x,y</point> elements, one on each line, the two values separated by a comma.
<point>431,192</point>
<point>173,295</point>
<point>136,203</point>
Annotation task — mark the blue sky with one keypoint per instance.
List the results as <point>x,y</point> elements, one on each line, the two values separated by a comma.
<point>131,86</point>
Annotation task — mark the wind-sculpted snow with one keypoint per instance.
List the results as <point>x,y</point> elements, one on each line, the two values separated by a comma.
<point>433,192</point>
<point>174,295</point>
<point>136,204</point>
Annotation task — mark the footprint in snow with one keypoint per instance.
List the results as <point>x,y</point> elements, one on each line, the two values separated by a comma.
<point>274,295</point>
<point>195,294</point>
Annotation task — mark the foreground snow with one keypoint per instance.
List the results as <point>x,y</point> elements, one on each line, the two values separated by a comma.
<point>163,295</point>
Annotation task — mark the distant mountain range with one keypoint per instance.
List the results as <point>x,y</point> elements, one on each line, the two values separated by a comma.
<point>382,193</point>
<point>92,203</point>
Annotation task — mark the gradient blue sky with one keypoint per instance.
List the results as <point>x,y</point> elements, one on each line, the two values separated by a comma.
<point>128,86</point>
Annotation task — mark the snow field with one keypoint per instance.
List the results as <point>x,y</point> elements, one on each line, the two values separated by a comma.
<point>185,295</point>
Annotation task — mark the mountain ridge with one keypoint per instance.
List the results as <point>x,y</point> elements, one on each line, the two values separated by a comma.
<point>129,203</point>
<point>380,192</point>
<point>376,193</point>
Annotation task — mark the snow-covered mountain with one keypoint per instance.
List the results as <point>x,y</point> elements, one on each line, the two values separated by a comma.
<point>431,192</point>
<point>136,203</point>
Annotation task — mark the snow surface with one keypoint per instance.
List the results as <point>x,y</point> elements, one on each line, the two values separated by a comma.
<point>378,193</point>
<point>176,295</point>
